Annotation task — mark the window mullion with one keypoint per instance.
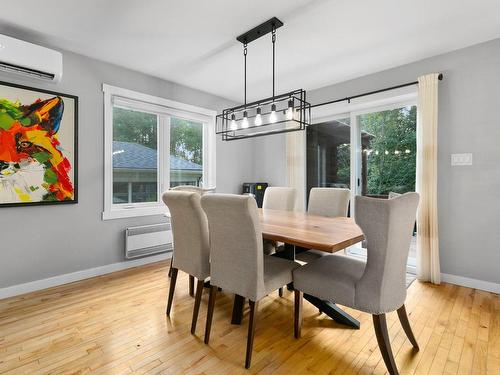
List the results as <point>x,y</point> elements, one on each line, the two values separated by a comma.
<point>164,172</point>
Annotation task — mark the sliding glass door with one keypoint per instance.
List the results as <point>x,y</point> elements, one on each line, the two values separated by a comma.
<point>372,151</point>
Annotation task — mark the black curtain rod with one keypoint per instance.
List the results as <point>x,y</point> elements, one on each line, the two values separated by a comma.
<point>349,98</point>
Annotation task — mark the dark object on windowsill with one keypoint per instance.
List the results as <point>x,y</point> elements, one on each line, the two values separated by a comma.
<point>256,189</point>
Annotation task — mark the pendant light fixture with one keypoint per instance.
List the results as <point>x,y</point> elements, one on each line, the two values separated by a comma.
<point>282,113</point>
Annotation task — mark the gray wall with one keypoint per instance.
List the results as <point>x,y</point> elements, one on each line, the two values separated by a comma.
<point>469,199</point>
<point>40,242</point>
<point>270,160</point>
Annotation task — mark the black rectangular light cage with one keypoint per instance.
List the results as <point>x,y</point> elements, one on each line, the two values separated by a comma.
<point>291,113</point>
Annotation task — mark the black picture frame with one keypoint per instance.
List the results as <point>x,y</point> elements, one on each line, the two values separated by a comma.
<point>74,165</point>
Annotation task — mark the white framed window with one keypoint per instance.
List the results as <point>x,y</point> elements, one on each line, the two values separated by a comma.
<point>150,145</point>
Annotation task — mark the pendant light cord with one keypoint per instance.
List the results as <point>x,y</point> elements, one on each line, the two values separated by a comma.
<point>274,55</point>
<point>245,74</point>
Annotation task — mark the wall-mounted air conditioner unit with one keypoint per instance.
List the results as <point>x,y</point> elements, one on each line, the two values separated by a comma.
<point>20,57</point>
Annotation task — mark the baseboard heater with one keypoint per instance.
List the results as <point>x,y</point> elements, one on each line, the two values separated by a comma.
<point>148,240</point>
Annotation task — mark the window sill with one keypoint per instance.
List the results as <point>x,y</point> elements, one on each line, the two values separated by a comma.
<point>123,213</point>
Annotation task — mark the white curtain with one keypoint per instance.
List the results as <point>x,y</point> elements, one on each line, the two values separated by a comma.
<point>428,268</point>
<point>295,166</point>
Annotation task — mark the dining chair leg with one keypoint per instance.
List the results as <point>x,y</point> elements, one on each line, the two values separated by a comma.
<point>238,305</point>
<point>173,279</point>
<point>170,268</point>
<point>380,324</point>
<point>297,326</point>
<point>403,318</point>
<point>280,292</point>
<point>251,331</point>
<point>197,301</point>
<point>210,312</point>
<point>191,285</point>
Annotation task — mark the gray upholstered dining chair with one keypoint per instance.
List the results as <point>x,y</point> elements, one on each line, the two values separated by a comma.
<point>391,195</point>
<point>201,191</point>
<point>277,198</point>
<point>237,262</point>
<point>191,243</point>
<point>377,286</point>
<point>329,202</point>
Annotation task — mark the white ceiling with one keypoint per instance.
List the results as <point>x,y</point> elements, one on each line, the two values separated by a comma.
<point>192,42</point>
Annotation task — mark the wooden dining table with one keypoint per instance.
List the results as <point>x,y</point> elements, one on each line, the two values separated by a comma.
<point>329,234</point>
<point>301,232</point>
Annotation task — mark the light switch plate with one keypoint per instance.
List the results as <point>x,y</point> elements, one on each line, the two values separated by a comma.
<point>461,159</point>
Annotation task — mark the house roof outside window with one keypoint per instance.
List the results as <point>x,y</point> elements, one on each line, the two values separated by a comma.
<point>128,155</point>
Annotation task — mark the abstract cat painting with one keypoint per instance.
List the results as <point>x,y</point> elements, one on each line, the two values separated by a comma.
<point>38,146</point>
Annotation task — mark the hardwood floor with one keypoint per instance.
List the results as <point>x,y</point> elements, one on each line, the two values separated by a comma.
<point>116,324</point>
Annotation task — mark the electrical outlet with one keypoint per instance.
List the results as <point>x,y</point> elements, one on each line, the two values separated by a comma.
<point>461,159</point>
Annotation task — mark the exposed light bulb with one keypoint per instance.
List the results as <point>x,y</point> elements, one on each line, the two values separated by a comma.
<point>407,151</point>
<point>258,117</point>
<point>397,152</point>
<point>244,123</point>
<point>376,152</point>
<point>272,116</point>
<point>386,152</point>
<point>289,111</point>
<point>233,122</point>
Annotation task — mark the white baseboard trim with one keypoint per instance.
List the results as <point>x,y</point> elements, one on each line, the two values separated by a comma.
<point>67,278</point>
<point>32,286</point>
<point>471,283</point>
